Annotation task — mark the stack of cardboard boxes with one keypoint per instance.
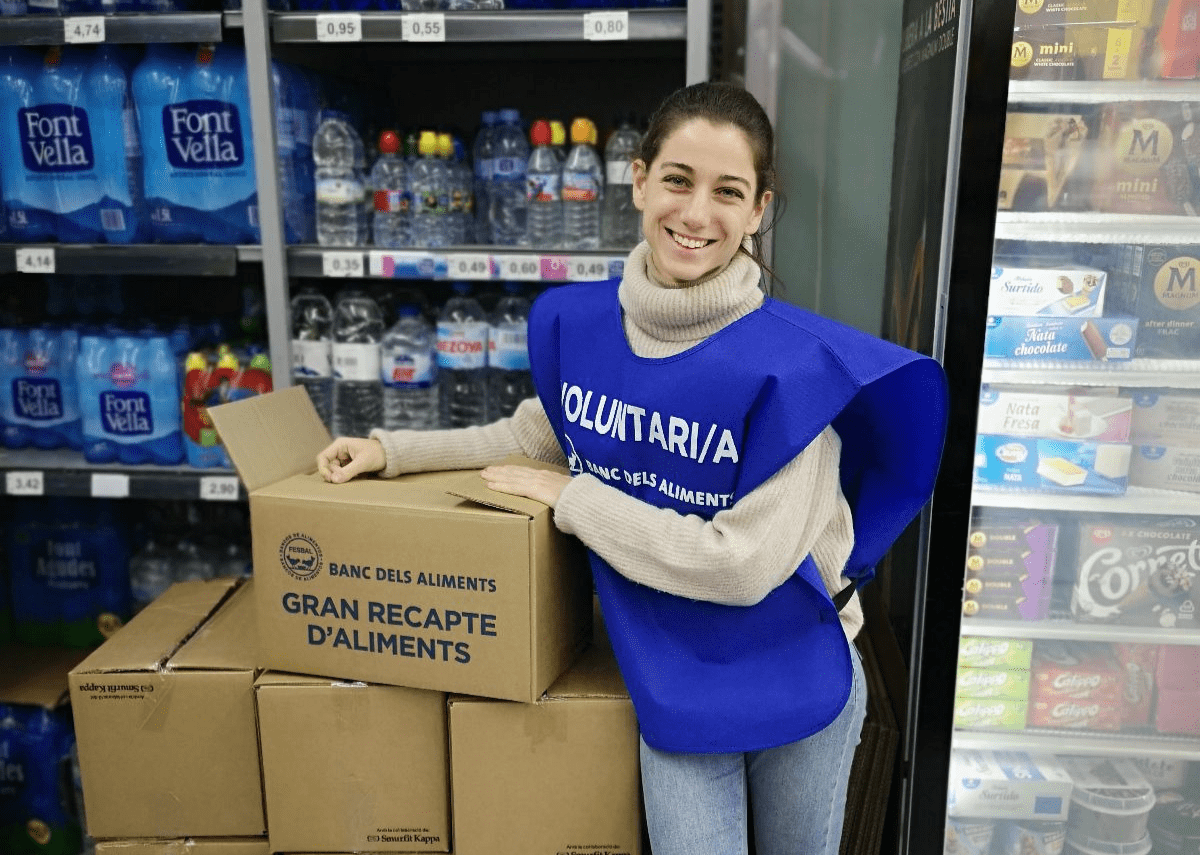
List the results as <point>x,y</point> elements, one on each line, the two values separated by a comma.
<point>413,668</point>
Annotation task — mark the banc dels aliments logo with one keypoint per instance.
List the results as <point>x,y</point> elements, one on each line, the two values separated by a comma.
<point>300,557</point>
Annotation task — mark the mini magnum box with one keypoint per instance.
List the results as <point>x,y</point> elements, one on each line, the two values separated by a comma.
<point>427,581</point>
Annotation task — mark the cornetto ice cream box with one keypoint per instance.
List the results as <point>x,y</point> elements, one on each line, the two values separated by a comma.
<point>427,581</point>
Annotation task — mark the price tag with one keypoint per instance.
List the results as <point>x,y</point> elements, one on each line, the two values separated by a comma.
<point>339,27</point>
<point>219,488</point>
<point>588,268</point>
<point>23,483</point>
<point>606,26</point>
<point>110,485</point>
<point>521,267</point>
<point>424,27</point>
<point>35,259</point>
<point>469,265</point>
<point>81,31</point>
<point>342,264</point>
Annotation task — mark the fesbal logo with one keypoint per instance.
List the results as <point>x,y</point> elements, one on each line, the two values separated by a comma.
<point>300,557</point>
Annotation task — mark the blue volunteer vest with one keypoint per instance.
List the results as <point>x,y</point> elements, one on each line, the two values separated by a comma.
<point>695,433</point>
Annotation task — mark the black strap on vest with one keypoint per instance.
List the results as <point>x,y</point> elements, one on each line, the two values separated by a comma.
<point>843,596</point>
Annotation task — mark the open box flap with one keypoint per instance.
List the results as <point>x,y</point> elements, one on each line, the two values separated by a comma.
<point>470,486</point>
<point>271,436</point>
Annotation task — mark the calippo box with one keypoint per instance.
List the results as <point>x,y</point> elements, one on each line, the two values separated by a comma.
<point>1008,785</point>
<point>1075,685</point>
<point>1020,289</point>
<point>1013,654</point>
<point>1137,663</point>
<point>1025,338</point>
<point>992,683</point>
<point>1138,572</point>
<point>1160,286</point>
<point>990,713</point>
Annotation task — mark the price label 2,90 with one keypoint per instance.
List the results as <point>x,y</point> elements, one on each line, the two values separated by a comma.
<point>339,27</point>
<point>606,26</point>
<point>342,264</point>
<point>80,31</point>
<point>24,483</point>
<point>35,259</point>
<point>219,488</point>
<point>429,27</point>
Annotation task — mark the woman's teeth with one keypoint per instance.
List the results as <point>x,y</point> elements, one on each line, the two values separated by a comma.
<point>690,243</point>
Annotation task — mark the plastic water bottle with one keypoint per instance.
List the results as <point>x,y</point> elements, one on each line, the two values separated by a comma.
<point>462,345</point>
<point>582,188</point>
<point>509,378</point>
<point>481,156</point>
<point>462,193</point>
<point>506,193</point>
<point>409,372</point>
<point>430,194</point>
<point>312,348</point>
<point>357,392</point>
<point>151,572</point>
<point>620,223</point>
<point>340,183</point>
<point>543,180</point>
<point>455,230</point>
<point>391,225</point>
<point>193,563</point>
<point>558,140</point>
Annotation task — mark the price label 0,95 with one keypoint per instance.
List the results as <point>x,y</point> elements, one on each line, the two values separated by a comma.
<point>35,259</point>
<point>219,488</point>
<point>82,31</point>
<point>342,264</point>
<point>339,27</point>
<point>24,483</point>
<point>606,26</point>
<point>428,27</point>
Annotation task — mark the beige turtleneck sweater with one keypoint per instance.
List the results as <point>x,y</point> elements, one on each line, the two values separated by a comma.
<point>742,553</point>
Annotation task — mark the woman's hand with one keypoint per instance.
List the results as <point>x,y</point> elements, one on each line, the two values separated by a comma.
<point>348,456</point>
<point>539,484</point>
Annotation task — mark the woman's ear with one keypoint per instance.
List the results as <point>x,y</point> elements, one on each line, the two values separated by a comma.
<point>640,177</point>
<point>759,209</point>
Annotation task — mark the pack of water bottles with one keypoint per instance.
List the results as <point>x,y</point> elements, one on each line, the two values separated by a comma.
<point>39,815</point>
<point>211,377</point>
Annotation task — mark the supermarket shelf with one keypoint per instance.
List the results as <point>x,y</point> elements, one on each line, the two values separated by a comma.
<point>480,263</point>
<point>1101,743</point>
<point>118,29</point>
<point>509,25</point>
<point>1099,91</point>
<point>136,259</point>
<point>1137,500</point>
<point>1154,373</point>
<point>1068,630</point>
<point>31,472</point>
<point>1091,227</point>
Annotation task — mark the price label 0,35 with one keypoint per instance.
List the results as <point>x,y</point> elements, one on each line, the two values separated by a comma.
<point>342,264</point>
<point>469,265</point>
<point>24,484</point>
<point>35,259</point>
<point>606,26</point>
<point>521,267</point>
<point>424,27</point>
<point>82,31</point>
<point>219,488</point>
<point>339,27</point>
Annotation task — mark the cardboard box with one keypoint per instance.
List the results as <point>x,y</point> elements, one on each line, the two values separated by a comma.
<point>429,581</point>
<point>1052,466</point>
<point>1060,339</point>
<point>1165,467</point>
<point>1164,417</point>
<point>1145,159</point>
<point>164,718</point>
<point>560,775</point>
<point>1038,161</point>
<point>372,760</point>
<point>1041,12</point>
<point>1064,290</point>
<point>1014,654</point>
<point>188,846</point>
<point>1018,412</point>
<point>1160,286</point>
<point>992,683</point>
<point>990,713</point>
<point>1008,785</point>
<point>1095,51</point>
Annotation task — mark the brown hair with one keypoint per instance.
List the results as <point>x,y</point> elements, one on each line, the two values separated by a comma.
<point>721,104</point>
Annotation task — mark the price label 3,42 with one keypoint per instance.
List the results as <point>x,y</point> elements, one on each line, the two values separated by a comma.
<point>339,27</point>
<point>430,27</point>
<point>24,483</point>
<point>35,259</point>
<point>606,26</point>
<point>82,31</point>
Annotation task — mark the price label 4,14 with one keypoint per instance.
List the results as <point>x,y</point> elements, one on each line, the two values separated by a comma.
<point>342,264</point>
<point>430,27</point>
<point>23,483</point>
<point>35,259</point>
<point>606,26</point>
<point>219,488</point>
<point>339,27</point>
<point>81,31</point>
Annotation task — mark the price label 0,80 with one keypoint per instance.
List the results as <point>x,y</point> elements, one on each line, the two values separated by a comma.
<point>427,27</point>
<point>219,488</point>
<point>342,264</point>
<point>24,483</point>
<point>521,267</point>
<point>35,259</point>
<point>81,31</point>
<point>339,27</point>
<point>606,26</point>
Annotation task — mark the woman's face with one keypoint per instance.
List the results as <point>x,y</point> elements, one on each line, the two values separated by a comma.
<point>697,199</point>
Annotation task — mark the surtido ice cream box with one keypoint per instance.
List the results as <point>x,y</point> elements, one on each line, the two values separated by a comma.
<point>428,581</point>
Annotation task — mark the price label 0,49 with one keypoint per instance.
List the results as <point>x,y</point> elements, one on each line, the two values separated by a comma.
<point>35,259</point>
<point>606,26</point>
<point>586,268</point>
<point>23,483</point>
<point>469,265</point>
<point>81,31</point>
<point>339,27</point>
<point>219,488</point>
<point>430,27</point>
<point>342,264</point>
<point>521,267</point>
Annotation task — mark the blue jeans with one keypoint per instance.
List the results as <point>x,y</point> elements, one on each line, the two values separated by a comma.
<point>696,804</point>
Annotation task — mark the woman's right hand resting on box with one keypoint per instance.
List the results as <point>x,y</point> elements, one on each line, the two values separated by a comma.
<point>349,456</point>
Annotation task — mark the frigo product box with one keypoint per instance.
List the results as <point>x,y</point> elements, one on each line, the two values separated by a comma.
<point>186,846</point>
<point>1160,285</point>
<point>372,760</point>
<point>164,719</point>
<point>1008,785</point>
<point>560,775</point>
<point>428,581</point>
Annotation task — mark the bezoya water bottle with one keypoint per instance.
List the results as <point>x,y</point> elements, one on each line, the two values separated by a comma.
<point>340,183</point>
<point>357,392</point>
<point>506,192</point>
<point>409,372</point>
<point>462,346</point>
<point>582,188</point>
<point>543,196</point>
<point>391,226</point>
<point>509,379</point>
<point>620,221</point>
<point>312,348</point>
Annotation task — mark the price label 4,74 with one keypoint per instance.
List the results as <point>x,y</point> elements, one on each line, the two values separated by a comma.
<point>35,259</point>
<point>429,27</point>
<point>80,31</point>
<point>606,26</point>
<point>342,264</point>
<point>219,488</point>
<point>339,27</point>
<point>24,483</point>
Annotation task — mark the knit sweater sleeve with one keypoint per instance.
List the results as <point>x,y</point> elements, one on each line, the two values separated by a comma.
<point>526,432</point>
<point>741,554</point>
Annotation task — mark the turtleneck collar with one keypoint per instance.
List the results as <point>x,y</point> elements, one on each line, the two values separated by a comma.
<point>660,312</point>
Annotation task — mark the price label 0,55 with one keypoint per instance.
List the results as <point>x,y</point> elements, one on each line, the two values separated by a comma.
<point>82,31</point>
<point>606,26</point>
<point>339,27</point>
<point>24,483</point>
<point>219,488</point>
<point>429,27</point>
<point>35,259</point>
<point>342,264</point>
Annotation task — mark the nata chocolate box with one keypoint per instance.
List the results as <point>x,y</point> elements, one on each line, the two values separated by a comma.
<point>1024,338</point>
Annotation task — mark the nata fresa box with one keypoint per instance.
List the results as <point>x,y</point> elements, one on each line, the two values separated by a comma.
<point>428,581</point>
